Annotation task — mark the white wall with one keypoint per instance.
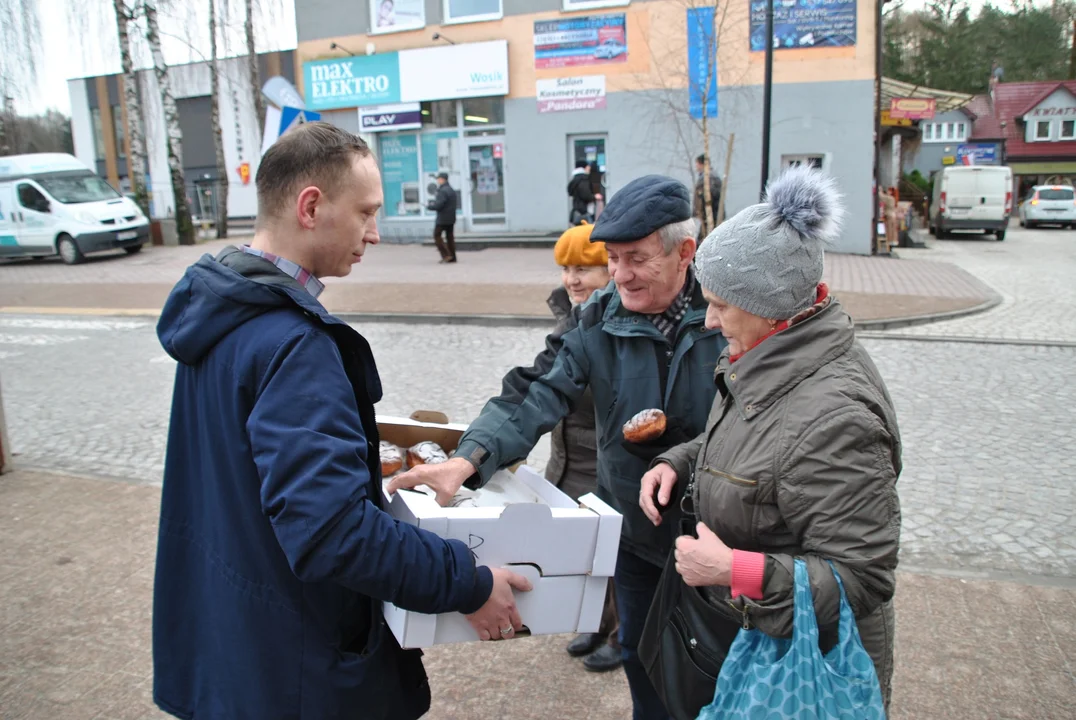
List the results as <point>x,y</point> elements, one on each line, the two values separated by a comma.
<point>187,81</point>
<point>81,122</point>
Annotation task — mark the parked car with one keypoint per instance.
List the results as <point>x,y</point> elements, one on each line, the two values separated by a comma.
<point>1048,205</point>
<point>975,197</point>
<point>53,204</point>
<point>609,49</point>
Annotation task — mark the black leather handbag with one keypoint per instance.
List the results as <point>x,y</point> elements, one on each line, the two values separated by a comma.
<point>685,641</point>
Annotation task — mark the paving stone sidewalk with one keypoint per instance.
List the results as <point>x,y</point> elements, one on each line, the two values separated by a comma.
<point>76,573</point>
<point>407,279</point>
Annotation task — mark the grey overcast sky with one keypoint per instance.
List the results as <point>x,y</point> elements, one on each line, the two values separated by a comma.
<point>86,45</point>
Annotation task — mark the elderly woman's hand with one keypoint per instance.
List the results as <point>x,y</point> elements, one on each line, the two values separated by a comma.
<point>705,561</point>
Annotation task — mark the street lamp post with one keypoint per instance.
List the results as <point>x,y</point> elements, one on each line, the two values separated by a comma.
<point>767,96</point>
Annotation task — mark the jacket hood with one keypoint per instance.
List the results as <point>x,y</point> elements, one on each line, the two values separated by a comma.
<point>217,295</point>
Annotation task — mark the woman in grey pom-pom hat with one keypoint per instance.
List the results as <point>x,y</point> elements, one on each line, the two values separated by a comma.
<point>801,455</point>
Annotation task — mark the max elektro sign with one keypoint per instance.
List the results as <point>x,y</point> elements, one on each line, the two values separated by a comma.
<point>407,76</point>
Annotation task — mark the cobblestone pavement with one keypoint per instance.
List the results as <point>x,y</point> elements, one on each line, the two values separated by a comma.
<point>1033,270</point>
<point>986,489</point>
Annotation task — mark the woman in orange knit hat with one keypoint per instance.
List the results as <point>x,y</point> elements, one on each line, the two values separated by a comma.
<point>573,463</point>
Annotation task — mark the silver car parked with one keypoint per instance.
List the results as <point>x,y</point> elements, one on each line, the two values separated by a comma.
<point>1049,205</point>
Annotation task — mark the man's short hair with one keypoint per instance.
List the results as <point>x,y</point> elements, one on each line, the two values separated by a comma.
<point>314,153</point>
<point>580,164</point>
<point>701,159</point>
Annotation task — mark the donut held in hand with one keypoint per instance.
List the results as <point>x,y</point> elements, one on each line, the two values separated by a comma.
<point>644,427</point>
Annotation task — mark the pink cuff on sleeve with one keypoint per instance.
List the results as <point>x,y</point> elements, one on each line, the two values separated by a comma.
<point>748,569</point>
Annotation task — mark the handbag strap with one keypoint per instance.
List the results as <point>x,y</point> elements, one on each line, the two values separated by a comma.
<point>848,627</point>
<point>804,623</point>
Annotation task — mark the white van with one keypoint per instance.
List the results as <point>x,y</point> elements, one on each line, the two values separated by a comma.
<point>51,203</point>
<point>971,197</point>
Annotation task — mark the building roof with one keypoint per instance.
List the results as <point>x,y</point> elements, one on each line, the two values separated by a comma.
<point>1009,104</point>
<point>944,99</point>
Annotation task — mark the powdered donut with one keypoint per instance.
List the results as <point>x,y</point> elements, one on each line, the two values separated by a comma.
<point>645,426</point>
<point>391,459</point>
<point>425,453</point>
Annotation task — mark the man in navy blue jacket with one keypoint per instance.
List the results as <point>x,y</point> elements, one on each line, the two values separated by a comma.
<point>274,555</point>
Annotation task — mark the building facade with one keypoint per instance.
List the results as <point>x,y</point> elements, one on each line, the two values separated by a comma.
<point>506,96</point>
<point>99,119</point>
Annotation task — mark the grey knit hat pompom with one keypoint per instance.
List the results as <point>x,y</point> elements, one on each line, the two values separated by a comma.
<point>768,258</point>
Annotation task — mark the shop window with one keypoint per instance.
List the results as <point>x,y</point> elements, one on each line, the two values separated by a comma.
<point>439,114</point>
<point>98,134</point>
<point>463,11</point>
<point>1068,129</point>
<point>440,151</point>
<point>1042,130</point>
<point>483,111</point>
<point>397,15</point>
<point>400,174</point>
<point>570,5</point>
<point>117,125</point>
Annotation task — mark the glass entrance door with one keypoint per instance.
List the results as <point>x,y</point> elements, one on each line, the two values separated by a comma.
<point>485,203</point>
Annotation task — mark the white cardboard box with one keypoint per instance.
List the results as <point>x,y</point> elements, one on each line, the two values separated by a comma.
<point>568,550</point>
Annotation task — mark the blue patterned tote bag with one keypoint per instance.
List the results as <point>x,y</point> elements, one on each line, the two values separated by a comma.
<point>773,679</point>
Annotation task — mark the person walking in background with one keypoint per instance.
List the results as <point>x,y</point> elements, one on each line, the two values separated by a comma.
<point>573,462</point>
<point>700,194</point>
<point>581,191</point>
<point>444,204</point>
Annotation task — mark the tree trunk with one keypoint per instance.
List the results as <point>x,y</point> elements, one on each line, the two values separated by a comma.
<point>255,73</point>
<point>707,197</point>
<point>218,138</point>
<point>1072,54</point>
<point>184,226</point>
<point>136,163</point>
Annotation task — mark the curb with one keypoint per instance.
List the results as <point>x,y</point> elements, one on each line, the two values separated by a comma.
<point>527,321</point>
<point>913,320</point>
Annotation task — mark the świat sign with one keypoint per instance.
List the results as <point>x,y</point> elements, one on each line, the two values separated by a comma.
<point>408,76</point>
<point>585,92</point>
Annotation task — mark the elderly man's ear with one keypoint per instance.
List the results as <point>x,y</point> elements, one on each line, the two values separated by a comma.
<point>687,252</point>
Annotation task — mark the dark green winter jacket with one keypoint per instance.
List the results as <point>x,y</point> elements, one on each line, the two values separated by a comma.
<point>630,367</point>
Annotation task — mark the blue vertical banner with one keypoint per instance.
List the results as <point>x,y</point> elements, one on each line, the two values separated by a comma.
<point>701,61</point>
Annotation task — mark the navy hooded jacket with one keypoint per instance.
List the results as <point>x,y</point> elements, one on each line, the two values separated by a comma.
<point>273,554</point>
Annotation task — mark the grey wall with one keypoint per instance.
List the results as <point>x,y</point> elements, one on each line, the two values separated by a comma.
<point>196,123</point>
<point>831,119</point>
<point>927,158</point>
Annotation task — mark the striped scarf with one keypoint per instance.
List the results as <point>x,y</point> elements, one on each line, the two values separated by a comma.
<point>668,321</point>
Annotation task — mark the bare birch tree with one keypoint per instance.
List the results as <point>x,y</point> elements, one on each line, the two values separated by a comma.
<point>218,138</point>
<point>252,60</point>
<point>20,45</point>
<point>184,225</point>
<point>136,163</point>
<point>669,84</point>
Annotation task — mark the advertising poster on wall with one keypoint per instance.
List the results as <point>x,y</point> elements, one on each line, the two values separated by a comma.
<point>804,24</point>
<point>584,92</point>
<point>399,175</point>
<point>397,15</point>
<point>590,40</point>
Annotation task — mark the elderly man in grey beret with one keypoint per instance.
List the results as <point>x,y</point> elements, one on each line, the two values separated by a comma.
<point>640,344</point>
